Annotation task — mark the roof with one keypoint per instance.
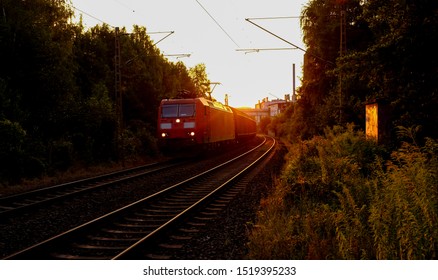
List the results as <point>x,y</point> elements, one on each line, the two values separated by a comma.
<point>204,101</point>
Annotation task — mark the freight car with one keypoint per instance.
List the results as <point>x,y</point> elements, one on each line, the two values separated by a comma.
<point>201,122</point>
<point>245,126</point>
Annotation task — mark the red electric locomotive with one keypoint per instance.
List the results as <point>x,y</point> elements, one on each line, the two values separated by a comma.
<point>201,122</point>
<point>197,121</point>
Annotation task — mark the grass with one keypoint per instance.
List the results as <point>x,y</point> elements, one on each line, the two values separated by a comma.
<point>338,198</point>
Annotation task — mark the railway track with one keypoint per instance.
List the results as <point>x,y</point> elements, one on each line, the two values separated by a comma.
<point>14,204</point>
<point>128,232</point>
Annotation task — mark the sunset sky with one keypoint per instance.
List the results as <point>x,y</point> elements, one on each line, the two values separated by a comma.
<point>211,31</point>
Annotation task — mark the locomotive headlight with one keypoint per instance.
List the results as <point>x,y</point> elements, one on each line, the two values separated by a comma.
<point>164,135</point>
<point>192,133</point>
<point>177,120</point>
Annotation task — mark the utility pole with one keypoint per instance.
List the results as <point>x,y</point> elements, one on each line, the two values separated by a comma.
<point>118,98</point>
<point>342,50</point>
<point>118,94</point>
<point>294,96</point>
<point>343,31</point>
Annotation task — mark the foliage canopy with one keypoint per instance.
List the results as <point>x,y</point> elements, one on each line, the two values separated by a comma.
<point>389,55</point>
<point>57,88</point>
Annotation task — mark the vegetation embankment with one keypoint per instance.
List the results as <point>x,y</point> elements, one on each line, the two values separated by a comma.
<point>339,198</point>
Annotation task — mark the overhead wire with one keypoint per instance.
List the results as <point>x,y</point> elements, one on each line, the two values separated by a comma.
<point>217,23</point>
<point>251,20</point>
<point>267,18</point>
<point>96,18</point>
<point>123,4</point>
<point>102,21</point>
<point>138,13</point>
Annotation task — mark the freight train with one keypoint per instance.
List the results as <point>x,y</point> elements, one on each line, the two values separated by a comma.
<point>202,123</point>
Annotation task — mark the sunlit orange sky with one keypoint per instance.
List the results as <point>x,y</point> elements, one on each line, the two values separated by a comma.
<point>212,31</point>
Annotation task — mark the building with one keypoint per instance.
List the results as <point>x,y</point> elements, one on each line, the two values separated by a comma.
<point>267,108</point>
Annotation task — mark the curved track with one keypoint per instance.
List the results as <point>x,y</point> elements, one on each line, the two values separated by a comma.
<point>128,231</point>
<point>15,203</point>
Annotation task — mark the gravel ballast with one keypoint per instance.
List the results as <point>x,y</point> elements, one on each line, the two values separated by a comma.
<point>223,238</point>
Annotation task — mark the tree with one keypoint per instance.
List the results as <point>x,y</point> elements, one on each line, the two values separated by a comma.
<point>389,55</point>
<point>37,69</point>
<point>322,74</point>
<point>179,83</point>
<point>401,62</point>
<point>198,74</point>
<point>57,87</point>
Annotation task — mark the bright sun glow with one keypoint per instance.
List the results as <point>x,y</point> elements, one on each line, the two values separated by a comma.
<point>211,31</point>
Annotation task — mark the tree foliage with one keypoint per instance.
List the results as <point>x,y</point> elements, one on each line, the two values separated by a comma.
<point>389,54</point>
<point>200,78</point>
<point>57,85</point>
<point>401,60</point>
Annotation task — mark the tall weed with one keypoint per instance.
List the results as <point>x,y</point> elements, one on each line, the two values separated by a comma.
<point>338,198</point>
<point>404,210</point>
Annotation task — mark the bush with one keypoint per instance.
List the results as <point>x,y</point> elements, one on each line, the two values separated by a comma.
<point>339,199</point>
<point>138,140</point>
<point>15,161</point>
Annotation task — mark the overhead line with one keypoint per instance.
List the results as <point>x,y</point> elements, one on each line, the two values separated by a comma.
<point>168,34</point>
<point>275,35</point>
<point>126,6</point>
<point>268,18</point>
<point>286,41</point>
<point>264,49</point>
<point>218,24</point>
<point>79,10</point>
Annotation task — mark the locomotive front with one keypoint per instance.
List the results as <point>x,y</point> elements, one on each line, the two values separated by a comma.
<point>177,122</point>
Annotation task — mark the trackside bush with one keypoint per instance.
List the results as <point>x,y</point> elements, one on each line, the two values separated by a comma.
<point>338,198</point>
